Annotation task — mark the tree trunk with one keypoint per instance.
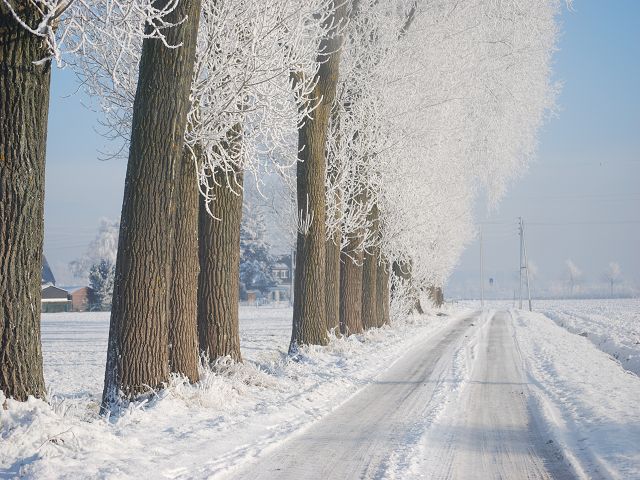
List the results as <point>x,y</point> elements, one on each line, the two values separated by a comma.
<point>183,297</point>
<point>351,292</point>
<point>435,295</point>
<point>403,271</point>
<point>369,290</point>
<point>369,277</point>
<point>332,292</point>
<point>382,289</point>
<point>24,104</point>
<point>138,353</point>
<point>309,305</point>
<point>417,306</point>
<point>219,281</point>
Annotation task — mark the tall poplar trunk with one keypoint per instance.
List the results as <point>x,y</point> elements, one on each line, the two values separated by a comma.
<point>332,288</point>
<point>369,289</point>
<point>309,306</point>
<point>332,293</point>
<point>24,104</point>
<point>351,292</point>
<point>403,271</point>
<point>138,353</point>
<point>369,276</point>
<point>436,296</point>
<point>219,281</point>
<point>183,297</point>
<point>383,295</point>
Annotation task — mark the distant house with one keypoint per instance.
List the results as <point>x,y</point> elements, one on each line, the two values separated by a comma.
<point>282,272</point>
<point>81,299</point>
<point>55,299</point>
<point>47,277</point>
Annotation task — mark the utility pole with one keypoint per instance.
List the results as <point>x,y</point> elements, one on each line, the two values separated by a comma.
<point>524,262</point>
<point>520,269</point>
<point>481,272</point>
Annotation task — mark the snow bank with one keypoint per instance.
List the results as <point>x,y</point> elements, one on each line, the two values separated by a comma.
<point>187,431</point>
<point>587,400</point>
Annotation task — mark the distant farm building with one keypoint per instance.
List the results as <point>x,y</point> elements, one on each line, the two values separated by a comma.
<point>55,300</point>
<point>81,299</point>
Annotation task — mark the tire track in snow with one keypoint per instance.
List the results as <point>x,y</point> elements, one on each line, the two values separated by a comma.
<point>490,432</point>
<point>373,434</point>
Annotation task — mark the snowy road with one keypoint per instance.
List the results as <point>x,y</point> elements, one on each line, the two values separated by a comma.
<point>490,431</point>
<point>464,395</point>
<point>399,426</point>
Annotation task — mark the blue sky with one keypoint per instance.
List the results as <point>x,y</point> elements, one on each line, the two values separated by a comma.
<point>586,173</point>
<point>588,165</point>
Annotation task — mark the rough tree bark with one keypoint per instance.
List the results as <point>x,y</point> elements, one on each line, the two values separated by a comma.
<point>24,104</point>
<point>332,262</point>
<point>309,306</point>
<point>219,281</point>
<point>382,288</point>
<point>138,353</point>
<point>369,290</point>
<point>183,296</point>
<point>332,293</point>
<point>351,291</point>
<point>369,278</point>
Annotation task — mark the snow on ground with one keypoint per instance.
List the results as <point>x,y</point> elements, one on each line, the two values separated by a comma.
<point>612,325</point>
<point>187,431</point>
<point>586,399</point>
<point>581,401</point>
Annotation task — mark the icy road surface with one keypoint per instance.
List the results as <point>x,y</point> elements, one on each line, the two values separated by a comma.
<point>487,433</point>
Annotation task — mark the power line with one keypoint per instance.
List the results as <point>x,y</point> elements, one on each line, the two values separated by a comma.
<point>561,223</point>
<point>582,196</point>
<point>603,222</point>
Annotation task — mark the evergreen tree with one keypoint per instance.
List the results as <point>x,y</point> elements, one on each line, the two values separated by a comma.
<point>101,277</point>
<point>255,259</point>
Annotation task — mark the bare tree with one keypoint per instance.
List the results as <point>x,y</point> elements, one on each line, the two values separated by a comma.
<point>219,281</point>
<point>183,306</point>
<point>370,314</point>
<point>138,356</point>
<point>613,275</point>
<point>574,274</point>
<point>351,290</point>
<point>383,288</point>
<point>309,309</point>
<point>25,74</point>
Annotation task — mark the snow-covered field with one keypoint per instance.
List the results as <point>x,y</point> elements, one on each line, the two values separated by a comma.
<point>586,399</point>
<point>612,325</point>
<point>191,431</point>
<point>538,371</point>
